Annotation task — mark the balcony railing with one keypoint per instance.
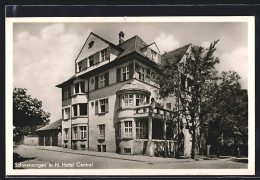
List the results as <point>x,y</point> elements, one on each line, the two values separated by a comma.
<point>156,111</point>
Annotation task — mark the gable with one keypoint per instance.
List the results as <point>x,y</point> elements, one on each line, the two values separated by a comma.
<point>98,45</point>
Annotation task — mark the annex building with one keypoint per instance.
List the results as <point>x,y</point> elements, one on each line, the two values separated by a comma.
<point>111,103</point>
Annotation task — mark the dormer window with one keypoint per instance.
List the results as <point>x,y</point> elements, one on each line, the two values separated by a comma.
<point>91,44</point>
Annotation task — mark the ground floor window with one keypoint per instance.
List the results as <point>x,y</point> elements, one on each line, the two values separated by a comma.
<point>83,132</point>
<point>66,132</point>
<point>128,128</point>
<point>75,132</point>
<point>102,131</point>
<point>140,130</point>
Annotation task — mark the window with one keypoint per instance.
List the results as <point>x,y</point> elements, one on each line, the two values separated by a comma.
<point>102,105</point>
<point>75,132</point>
<point>103,55</point>
<point>99,148</point>
<point>82,87</point>
<point>140,130</point>
<point>154,54</point>
<point>125,73</point>
<point>168,106</point>
<point>83,111</point>
<point>80,66</point>
<point>141,73</point>
<point>76,86</point>
<point>83,132</point>
<point>127,150</point>
<point>91,61</point>
<point>128,100</point>
<point>128,128</point>
<point>90,45</point>
<point>75,110</point>
<point>79,87</point>
<point>102,131</point>
<point>67,113</point>
<point>66,132</point>
<point>139,99</point>
<point>104,148</point>
<point>102,81</point>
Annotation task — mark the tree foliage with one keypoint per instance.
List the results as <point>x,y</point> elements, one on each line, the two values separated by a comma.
<point>27,111</point>
<point>197,69</point>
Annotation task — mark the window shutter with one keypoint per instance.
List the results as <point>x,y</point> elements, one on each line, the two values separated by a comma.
<point>69,91</point>
<point>106,78</point>
<point>106,105</point>
<point>96,58</point>
<point>108,53</point>
<point>62,92</point>
<point>96,82</point>
<point>131,70</point>
<point>96,107</point>
<point>118,74</point>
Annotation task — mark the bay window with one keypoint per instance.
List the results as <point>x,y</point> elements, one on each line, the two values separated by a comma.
<point>140,130</point>
<point>128,129</point>
<point>75,132</point>
<point>139,99</point>
<point>128,100</point>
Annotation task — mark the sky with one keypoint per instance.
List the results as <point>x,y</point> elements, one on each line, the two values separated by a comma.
<point>44,53</point>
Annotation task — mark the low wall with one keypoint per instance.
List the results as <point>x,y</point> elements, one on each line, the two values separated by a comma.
<point>31,141</point>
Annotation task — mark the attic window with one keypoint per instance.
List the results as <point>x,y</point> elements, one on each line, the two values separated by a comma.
<point>90,45</point>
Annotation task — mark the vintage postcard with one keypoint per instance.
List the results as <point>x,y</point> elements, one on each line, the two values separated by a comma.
<point>130,96</point>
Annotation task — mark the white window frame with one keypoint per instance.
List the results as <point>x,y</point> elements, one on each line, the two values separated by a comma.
<point>141,98</point>
<point>102,131</point>
<point>75,133</point>
<point>83,132</point>
<point>103,55</point>
<point>141,73</point>
<point>127,99</point>
<point>128,131</point>
<point>139,129</point>
<point>102,102</point>
<point>66,113</point>
<point>125,71</point>
<point>91,58</point>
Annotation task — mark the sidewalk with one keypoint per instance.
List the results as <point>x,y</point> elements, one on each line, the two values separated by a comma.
<point>138,158</point>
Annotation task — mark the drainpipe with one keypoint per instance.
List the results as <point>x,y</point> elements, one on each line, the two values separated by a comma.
<point>70,128</point>
<point>88,112</point>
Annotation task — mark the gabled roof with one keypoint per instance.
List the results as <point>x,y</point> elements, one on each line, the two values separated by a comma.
<point>177,54</point>
<point>106,41</point>
<point>51,126</point>
<point>134,44</point>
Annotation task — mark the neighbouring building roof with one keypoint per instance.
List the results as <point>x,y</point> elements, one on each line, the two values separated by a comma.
<point>54,125</point>
<point>177,54</point>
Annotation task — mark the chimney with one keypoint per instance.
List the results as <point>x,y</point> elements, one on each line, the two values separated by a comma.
<point>121,37</point>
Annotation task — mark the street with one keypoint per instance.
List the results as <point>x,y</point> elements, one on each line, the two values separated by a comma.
<point>34,157</point>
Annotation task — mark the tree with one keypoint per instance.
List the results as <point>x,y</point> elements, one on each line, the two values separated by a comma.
<point>186,81</point>
<point>227,111</point>
<point>27,111</point>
